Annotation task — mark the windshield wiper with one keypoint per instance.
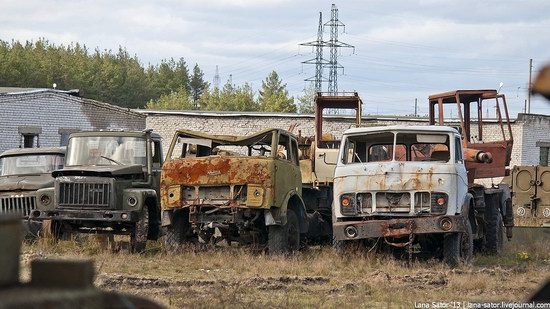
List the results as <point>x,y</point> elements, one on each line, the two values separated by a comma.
<point>112,160</point>
<point>363,164</point>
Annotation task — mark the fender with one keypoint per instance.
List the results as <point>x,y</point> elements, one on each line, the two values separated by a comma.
<point>277,215</point>
<point>468,212</point>
<point>465,209</point>
<point>141,194</point>
<point>50,192</point>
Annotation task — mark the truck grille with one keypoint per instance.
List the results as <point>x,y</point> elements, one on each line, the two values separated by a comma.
<point>77,194</point>
<point>396,202</point>
<point>216,195</point>
<point>393,202</point>
<point>18,204</point>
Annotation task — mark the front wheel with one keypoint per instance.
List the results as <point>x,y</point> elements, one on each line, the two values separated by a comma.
<point>138,237</point>
<point>458,247</point>
<point>179,232</point>
<point>284,238</point>
<point>59,231</point>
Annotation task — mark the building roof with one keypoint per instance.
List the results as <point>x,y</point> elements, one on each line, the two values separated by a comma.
<point>17,90</point>
<point>73,95</point>
<point>230,114</point>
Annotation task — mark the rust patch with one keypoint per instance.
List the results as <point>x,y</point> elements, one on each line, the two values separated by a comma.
<point>215,170</point>
<point>397,229</point>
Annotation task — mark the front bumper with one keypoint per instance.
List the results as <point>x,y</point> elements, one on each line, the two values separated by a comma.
<point>350,230</point>
<point>86,215</point>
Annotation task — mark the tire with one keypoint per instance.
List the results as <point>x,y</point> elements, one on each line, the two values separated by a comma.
<point>138,237</point>
<point>59,231</point>
<point>177,233</point>
<point>458,247</point>
<point>494,231</point>
<point>339,246</point>
<point>284,238</point>
<point>344,246</point>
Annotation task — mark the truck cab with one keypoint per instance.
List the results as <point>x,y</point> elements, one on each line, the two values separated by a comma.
<point>23,171</point>
<point>407,185</point>
<point>110,184</point>
<point>242,189</point>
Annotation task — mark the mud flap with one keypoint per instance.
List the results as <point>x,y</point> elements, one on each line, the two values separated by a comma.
<point>273,217</point>
<point>166,218</point>
<point>319,228</point>
<point>509,219</point>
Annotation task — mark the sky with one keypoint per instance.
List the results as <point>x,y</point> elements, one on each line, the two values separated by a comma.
<point>403,49</point>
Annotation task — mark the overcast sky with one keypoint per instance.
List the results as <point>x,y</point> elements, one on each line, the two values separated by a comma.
<point>404,49</point>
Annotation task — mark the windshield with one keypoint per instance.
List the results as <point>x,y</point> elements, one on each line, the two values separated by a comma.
<point>106,150</point>
<point>189,147</point>
<point>30,164</point>
<point>388,146</point>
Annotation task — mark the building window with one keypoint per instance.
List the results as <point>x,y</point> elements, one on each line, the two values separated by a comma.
<point>544,156</point>
<point>30,141</point>
<point>29,136</point>
<point>544,150</point>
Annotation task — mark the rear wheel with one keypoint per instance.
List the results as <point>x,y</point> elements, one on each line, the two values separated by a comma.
<point>458,247</point>
<point>494,231</point>
<point>138,238</point>
<point>284,238</point>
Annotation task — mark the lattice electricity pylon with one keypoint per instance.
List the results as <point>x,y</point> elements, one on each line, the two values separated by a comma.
<point>334,44</point>
<point>216,82</point>
<point>319,61</point>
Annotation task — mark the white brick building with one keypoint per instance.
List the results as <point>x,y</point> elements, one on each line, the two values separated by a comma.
<point>45,117</point>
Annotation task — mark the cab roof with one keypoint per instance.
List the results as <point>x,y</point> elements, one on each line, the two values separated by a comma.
<point>115,133</point>
<point>40,150</point>
<point>232,139</point>
<point>402,128</point>
<point>465,95</point>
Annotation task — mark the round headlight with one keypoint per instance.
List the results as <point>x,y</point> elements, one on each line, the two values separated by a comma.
<point>45,199</point>
<point>132,201</point>
<point>345,202</point>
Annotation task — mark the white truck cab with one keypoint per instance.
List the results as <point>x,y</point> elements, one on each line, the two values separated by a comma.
<point>402,183</point>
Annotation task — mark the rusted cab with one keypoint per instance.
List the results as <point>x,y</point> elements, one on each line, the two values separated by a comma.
<point>405,184</point>
<point>233,188</point>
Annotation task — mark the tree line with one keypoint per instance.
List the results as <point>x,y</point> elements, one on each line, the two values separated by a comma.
<point>119,78</point>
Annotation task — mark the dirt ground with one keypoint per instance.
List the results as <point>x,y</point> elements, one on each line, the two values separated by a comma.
<point>318,277</point>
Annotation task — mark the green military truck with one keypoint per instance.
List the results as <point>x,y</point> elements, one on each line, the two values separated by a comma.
<point>237,189</point>
<point>23,171</point>
<point>110,184</point>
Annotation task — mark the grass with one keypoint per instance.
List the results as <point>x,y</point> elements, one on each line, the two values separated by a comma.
<point>318,277</point>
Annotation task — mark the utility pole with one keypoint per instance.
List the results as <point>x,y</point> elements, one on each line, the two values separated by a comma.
<point>319,61</point>
<point>529,87</point>
<point>334,44</point>
<point>415,107</point>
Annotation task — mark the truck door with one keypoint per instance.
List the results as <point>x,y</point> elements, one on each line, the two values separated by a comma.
<point>287,175</point>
